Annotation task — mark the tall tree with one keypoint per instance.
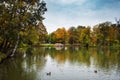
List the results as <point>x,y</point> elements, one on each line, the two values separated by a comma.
<point>18,16</point>
<point>84,35</point>
<point>60,36</point>
<point>73,35</point>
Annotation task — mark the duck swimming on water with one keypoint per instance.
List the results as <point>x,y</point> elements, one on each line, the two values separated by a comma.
<point>49,73</point>
<point>95,71</point>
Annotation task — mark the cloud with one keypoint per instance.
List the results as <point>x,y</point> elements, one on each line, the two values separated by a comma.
<point>86,18</point>
<point>71,1</point>
<point>70,14</point>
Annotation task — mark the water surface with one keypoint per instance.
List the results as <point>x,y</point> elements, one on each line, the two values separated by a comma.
<point>71,63</point>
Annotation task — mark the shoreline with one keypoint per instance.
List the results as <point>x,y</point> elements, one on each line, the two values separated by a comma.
<point>76,45</point>
<point>4,56</point>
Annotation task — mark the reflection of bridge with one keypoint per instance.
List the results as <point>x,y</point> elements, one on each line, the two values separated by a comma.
<point>59,46</point>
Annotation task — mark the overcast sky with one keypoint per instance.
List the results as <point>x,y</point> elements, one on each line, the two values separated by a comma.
<point>67,13</point>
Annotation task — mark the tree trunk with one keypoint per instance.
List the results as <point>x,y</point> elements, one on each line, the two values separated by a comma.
<point>5,46</point>
<point>4,42</point>
<point>16,45</point>
<point>1,45</point>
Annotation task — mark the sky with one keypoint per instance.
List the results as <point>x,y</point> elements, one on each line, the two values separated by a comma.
<point>68,13</point>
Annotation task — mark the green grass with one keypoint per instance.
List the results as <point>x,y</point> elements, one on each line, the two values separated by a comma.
<point>47,45</point>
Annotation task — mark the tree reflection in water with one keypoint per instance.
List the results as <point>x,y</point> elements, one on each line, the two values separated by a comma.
<point>38,61</point>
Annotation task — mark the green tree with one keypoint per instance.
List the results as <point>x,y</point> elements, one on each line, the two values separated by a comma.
<point>18,16</point>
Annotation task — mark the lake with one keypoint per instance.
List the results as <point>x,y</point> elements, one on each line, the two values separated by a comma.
<point>69,63</point>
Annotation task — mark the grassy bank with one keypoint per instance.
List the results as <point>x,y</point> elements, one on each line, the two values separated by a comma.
<point>68,45</point>
<point>47,45</point>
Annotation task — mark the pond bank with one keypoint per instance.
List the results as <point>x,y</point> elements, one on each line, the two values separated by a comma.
<point>69,45</point>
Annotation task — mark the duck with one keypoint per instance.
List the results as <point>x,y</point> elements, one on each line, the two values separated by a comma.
<point>95,71</point>
<point>49,73</point>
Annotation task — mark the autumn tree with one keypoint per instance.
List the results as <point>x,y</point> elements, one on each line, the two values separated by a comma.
<point>105,34</point>
<point>59,36</point>
<point>73,35</point>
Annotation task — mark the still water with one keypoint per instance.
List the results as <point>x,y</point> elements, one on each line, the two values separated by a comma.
<point>71,63</point>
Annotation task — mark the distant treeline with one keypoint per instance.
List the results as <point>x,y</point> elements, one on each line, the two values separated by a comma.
<point>103,34</point>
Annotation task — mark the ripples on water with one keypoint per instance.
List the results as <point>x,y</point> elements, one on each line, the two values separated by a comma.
<point>63,64</point>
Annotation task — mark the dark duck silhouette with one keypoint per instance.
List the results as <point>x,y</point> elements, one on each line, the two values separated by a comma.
<point>48,74</point>
<point>95,71</point>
